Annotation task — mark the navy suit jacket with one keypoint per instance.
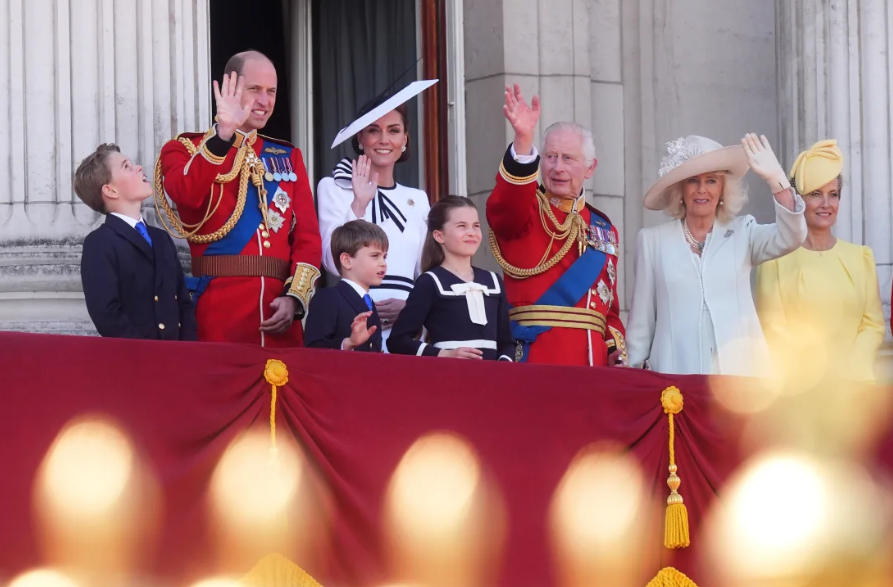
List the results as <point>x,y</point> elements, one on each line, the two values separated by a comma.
<point>134,290</point>
<point>332,311</point>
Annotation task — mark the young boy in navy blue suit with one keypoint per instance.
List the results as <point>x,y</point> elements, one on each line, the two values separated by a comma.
<point>344,317</point>
<point>132,278</point>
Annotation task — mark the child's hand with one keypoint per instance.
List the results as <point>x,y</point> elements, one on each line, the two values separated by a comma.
<point>359,334</point>
<point>462,353</point>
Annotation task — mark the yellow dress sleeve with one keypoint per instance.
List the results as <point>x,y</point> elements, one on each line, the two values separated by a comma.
<point>872,328</point>
<point>770,306</point>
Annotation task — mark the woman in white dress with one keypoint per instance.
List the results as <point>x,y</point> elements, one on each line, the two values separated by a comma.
<point>692,309</point>
<point>366,189</point>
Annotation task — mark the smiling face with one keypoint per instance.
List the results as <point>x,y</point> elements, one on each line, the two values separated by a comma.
<point>384,139</point>
<point>822,206</point>
<point>702,193</point>
<point>129,182</point>
<point>259,93</point>
<point>461,233</point>
<point>564,165</point>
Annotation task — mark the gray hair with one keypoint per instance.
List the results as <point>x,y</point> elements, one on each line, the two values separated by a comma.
<point>584,133</point>
<point>734,197</point>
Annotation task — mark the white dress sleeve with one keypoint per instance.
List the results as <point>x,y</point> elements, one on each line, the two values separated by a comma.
<point>422,226</point>
<point>334,209</point>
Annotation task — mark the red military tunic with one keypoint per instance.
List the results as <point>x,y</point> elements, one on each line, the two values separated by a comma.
<point>584,331</point>
<point>270,251</point>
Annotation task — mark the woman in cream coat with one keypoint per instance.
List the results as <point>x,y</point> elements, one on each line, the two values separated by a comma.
<point>692,308</point>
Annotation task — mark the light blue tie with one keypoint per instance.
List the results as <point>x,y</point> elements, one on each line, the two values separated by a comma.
<point>368,300</point>
<point>141,228</point>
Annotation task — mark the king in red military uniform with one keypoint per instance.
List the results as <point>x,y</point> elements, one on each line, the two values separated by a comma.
<point>245,206</point>
<point>559,254</point>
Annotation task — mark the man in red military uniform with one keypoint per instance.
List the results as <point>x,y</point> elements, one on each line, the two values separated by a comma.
<point>558,253</point>
<point>245,206</point>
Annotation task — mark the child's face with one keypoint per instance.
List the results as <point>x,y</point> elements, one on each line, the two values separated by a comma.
<point>367,267</point>
<point>461,235</point>
<point>129,182</point>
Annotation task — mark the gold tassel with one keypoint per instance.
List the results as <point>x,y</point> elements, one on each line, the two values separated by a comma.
<point>670,577</point>
<point>676,534</point>
<point>276,375</point>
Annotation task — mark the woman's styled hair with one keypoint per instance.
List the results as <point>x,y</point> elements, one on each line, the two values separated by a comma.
<point>839,184</point>
<point>438,216</point>
<point>732,201</point>
<point>404,114</point>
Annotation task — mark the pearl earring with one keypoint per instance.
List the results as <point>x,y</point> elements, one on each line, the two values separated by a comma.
<point>403,150</point>
<point>720,201</point>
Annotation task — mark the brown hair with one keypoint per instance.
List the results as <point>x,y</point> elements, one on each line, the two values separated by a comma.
<point>352,236</point>
<point>438,216</point>
<point>92,174</point>
<point>404,114</point>
<point>237,62</point>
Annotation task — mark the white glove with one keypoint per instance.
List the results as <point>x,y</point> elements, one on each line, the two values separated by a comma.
<point>764,163</point>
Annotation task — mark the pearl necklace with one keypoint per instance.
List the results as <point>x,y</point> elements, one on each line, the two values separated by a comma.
<point>696,245</point>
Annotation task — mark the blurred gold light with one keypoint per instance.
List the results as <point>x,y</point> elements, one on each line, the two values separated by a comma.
<point>250,489</point>
<point>87,468</point>
<point>43,578</point>
<point>596,518</point>
<point>434,483</point>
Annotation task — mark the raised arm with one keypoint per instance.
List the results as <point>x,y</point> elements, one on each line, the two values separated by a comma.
<point>510,205</point>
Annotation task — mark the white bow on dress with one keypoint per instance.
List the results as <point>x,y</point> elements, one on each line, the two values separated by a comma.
<point>474,296</point>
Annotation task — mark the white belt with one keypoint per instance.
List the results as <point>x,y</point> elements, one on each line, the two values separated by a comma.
<point>473,344</point>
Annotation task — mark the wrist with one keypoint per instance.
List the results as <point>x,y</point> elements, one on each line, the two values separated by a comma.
<point>225,132</point>
<point>358,208</point>
<point>523,145</point>
<point>778,182</point>
<point>347,345</point>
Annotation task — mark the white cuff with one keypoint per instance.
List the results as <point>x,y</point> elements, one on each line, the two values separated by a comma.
<point>523,159</point>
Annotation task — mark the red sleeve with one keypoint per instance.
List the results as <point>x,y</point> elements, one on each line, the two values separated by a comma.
<point>306,244</point>
<point>188,178</point>
<point>512,202</point>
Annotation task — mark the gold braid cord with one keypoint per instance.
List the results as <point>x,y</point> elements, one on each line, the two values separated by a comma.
<point>570,231</point>
<point>242,166</point>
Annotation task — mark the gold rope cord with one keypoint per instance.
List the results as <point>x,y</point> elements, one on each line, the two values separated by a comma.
<point>180,229</point>
<point>569,231</point>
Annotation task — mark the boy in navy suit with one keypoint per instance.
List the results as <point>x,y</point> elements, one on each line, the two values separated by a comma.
<point>132,278</point>
<point>344,317</point>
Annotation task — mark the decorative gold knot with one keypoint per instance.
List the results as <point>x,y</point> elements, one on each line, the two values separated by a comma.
<point>276,373</point>
<point>671,400</point>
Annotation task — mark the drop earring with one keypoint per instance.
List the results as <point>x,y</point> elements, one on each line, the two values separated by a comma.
<point>403,150</point>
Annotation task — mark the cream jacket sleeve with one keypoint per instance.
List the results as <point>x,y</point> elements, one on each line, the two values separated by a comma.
<point>333,208</point>
<point>643,311</point>
<point>770,241</point>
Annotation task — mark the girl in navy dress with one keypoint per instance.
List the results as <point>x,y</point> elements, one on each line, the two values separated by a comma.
<point>463,308</point>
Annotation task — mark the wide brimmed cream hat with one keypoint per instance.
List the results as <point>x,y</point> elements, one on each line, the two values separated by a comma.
<point>690,156</point>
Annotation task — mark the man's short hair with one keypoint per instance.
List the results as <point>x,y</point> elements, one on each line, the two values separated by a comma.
<point>92,174</point>
<point>237,62</point>
<point>352,236</point>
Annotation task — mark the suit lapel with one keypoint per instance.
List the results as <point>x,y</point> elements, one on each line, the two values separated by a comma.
<point>130,234</point>
<point>160,257</point>
<point>352,297</point>
<point>722,234</point>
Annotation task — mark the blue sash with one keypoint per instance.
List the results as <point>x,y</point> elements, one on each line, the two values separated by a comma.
<point>567,290</point>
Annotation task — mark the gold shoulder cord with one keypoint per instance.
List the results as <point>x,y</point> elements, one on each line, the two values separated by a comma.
<point>241,167</point>
<point>571,230</point>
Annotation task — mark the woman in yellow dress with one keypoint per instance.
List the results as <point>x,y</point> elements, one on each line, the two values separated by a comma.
<point>824,296</point>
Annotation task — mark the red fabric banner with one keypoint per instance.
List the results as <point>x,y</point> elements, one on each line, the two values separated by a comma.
<point>355,415</point>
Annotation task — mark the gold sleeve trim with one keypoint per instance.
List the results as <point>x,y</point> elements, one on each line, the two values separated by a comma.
<point>303,284</point>
<point>515,179</point>
<point>617,336</point>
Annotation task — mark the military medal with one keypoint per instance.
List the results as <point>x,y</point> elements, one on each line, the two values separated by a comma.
<point>612,272</point>
<point>292,176</point>
<point>275,220</point>
<point>277,177</point>
<point>267,176</point>
<point>281,200</point>
<point>604,292</point>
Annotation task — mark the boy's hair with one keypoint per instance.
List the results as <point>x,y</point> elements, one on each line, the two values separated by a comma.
<point>92,174</point>
<point>352,236</point>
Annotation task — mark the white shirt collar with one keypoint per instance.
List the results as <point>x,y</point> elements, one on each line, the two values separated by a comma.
<point>129,220</point>
<point>356,286</point>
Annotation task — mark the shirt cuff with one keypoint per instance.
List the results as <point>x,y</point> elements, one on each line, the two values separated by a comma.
<point>524,159</point>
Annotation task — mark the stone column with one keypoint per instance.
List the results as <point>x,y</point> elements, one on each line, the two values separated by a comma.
<point>73,75</point>
<point>835,81</point>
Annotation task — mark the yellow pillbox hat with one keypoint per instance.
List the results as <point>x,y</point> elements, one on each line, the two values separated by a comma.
<point>817,166</point>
